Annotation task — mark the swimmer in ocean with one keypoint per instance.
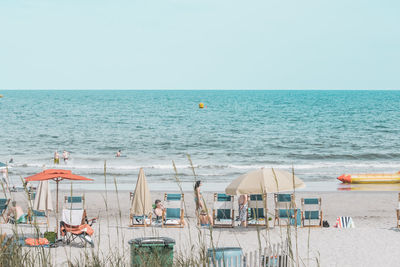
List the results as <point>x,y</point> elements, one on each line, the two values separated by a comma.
<point>56,157</point>
<point>65,156</point>
<point>118,153</point>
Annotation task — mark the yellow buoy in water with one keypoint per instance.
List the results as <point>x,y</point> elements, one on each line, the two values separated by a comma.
<point>1,96</point>
<point>201,105</point>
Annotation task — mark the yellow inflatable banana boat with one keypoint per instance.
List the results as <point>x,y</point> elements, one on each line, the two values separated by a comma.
<point>371,178</point>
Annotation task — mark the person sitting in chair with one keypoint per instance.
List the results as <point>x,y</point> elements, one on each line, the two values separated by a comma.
<point>15,214</point>
<point>158,210</point>
<point>205,219</point>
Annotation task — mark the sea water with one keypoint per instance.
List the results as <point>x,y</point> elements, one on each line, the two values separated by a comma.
<point>321,134</point>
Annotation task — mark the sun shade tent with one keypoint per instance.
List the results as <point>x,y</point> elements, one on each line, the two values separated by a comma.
<point>56,175</point>
<point>264,180</point>
<point>141,205</point>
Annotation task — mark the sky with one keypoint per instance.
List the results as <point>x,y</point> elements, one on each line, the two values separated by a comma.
<point>199,44</point>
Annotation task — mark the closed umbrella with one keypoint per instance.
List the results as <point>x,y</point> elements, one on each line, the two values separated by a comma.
<point>43,201</point>
<point>141,202</point>
<point>264,180</point>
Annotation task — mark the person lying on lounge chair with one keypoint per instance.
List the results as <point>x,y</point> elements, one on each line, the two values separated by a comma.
<point>15,214</point>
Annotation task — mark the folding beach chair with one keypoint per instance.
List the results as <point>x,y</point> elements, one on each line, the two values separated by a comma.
<point>285,210</point>
<point>3,207</point>
<point>36,216</point>
<point>223,210</point>
<point>74,202</point>
<point>258,212</point>
<point>173,213</point>
<point>75,226</point>
<point>311,211</point>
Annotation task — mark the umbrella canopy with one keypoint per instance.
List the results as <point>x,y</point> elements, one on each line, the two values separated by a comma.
<point>53,174</point>
<point>57,175</point>
<point>43,197</point>
<point>141,202</point>
<point>264,180</point>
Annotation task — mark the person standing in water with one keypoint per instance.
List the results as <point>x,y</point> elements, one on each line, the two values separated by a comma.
<point>118,153</point>
<point>56,158</point>
<point>65,156</point>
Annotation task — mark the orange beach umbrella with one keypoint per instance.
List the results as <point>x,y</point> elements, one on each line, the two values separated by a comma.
<point>56,175</point>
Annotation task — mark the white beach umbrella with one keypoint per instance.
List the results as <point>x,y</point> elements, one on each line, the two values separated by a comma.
<point>264,180</point>
<point>43,201</point>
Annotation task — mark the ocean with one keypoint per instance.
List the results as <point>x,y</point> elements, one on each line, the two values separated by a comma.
<point>321,134</point>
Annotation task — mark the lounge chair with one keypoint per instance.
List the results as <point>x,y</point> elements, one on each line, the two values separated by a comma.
<point>285,210</point>
<point>173,213</point>
<point>311,211</point>
<point>258,215</point>
<point>75,226</point>
<point>223,210</point>
<point>3,207</point>
<point>74,202</point>
<point>35,216</point>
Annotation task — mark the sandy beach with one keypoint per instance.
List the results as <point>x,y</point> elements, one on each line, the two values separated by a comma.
<point>374,241</point>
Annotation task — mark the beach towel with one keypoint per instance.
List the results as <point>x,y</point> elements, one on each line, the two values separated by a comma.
<point>36,241</point>
<point>344,222</point>
<point>72,217</point>
<point>172,221</point>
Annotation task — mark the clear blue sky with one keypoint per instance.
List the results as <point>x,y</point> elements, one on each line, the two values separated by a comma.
<point>199,44</point>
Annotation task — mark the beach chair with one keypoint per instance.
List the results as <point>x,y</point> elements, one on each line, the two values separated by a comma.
<point>74,202</point>
<point>173,213</point>
<point>311,211</point>
<point>36,216</point>
<point>75,226</point>
<point>223,210</point>
<point>285,210</point>
<point>3,207</point>
<point>140,220</point>
<point>258,212</point>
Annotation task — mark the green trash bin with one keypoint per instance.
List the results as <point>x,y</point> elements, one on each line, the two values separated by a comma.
<point>152,251</point>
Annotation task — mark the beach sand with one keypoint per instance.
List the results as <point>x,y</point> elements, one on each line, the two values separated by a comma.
<point>374,242</point>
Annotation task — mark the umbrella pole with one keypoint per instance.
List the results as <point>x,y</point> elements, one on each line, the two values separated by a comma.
<point>57,181</point>
<point>57,197</point>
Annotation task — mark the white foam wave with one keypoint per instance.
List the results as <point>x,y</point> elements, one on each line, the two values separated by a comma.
<point>311,166</point>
